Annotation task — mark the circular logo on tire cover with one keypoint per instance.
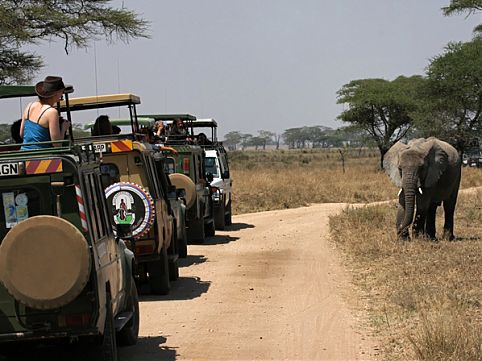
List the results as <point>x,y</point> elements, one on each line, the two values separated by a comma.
<point>131,204</point>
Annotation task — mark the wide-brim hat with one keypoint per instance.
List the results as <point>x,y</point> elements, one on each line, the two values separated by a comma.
<point>49,86</point>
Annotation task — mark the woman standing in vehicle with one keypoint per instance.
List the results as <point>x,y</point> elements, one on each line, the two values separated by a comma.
<point>40,120</point>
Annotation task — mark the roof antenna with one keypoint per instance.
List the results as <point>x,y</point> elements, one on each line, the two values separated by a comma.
<point>95,74</point>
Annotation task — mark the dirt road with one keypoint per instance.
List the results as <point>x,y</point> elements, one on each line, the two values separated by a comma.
<point>271,287</point>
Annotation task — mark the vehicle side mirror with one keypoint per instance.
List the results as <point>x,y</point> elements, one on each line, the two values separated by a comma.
<point>209,177</point>
<point>225,174</point>
<point>124,231</point>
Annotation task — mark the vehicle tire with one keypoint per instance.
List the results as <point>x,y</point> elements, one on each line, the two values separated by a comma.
<point>109,344</point>
<point>228,219</point>
<point>196,232</point>
<point>210,229</point>
<point>220,217</point>
<point>130,332</point>
<point>159,274</point>
<point>173,270</point>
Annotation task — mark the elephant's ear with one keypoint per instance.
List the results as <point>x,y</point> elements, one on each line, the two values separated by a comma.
<point>436,162</point>
<point>390,163</point>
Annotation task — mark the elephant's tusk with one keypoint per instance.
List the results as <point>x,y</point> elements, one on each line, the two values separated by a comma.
<point>420,190</point>
<point>399,192</point>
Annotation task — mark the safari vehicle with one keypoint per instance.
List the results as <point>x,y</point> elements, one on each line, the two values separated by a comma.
<point>135,194</point>
<point>63,273</point>
<point>216,165</point>
<point>177,197</point>
<point>186,170</point>
<point>472,156</point>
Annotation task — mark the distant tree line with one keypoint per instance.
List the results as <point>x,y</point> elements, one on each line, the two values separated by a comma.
<point>299,138</point>
<point>445,102</point>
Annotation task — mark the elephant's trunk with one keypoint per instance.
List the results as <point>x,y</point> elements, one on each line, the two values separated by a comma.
<point>409,184</point>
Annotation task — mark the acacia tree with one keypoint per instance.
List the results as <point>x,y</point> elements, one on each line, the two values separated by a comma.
<point>382,108</point>
<point>266,137</point>
<point>454,91</point>
<point>75,22</point>
<point>232,139</point>
<point>469,7</point>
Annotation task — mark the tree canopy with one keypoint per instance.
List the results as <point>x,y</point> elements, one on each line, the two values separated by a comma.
<point>464,6</point>
<point>382,108</point>
<point>74,22</point>
<point>454,93</point>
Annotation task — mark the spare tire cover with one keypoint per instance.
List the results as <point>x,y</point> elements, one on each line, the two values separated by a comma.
<point>186,183</point>
<point>131,204</point>
<point>44,262</point>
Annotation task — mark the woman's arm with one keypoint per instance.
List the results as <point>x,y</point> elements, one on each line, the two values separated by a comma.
<point>57,131</point>
<point>24,116</point>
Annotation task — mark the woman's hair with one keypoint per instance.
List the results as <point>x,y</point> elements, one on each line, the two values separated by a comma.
<point>102,126</point>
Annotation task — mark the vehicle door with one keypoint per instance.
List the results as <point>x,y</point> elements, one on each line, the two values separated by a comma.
<point>106,245</point>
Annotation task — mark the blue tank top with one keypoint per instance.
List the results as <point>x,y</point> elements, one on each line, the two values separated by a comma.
<point>34,132</point>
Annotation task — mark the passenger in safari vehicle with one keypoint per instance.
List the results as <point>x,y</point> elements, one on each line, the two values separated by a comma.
<point>40,119</point>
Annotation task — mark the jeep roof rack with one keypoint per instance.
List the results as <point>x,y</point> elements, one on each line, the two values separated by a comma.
<point>107,101</point>
<point>183,117</point>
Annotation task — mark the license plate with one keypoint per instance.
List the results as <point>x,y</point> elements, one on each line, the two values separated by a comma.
<point>98,148</point>
<point>7,169</point>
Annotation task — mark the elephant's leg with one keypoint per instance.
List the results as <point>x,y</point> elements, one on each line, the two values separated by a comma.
<point>430,221</point>
<point>449,209</point>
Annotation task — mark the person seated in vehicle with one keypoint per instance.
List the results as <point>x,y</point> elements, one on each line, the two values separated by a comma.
<point>116,129</point>
<point>15,139</point>
<point>149,134</point>
<point>40,120</point>
<point>202,139</point>
<point>102,126</point>
<point>178,129</point>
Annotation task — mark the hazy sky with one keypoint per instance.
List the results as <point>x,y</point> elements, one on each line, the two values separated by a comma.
<point>257,64</point>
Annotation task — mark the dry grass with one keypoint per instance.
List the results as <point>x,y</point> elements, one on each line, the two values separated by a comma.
<point>267,180</point>
<point>424,298</point>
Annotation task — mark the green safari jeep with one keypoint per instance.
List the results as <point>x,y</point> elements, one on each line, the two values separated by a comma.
<point>135,193</point>
<point>63,273</point>
<point>186,167</point>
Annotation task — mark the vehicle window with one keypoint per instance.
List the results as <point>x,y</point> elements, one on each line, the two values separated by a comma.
<point>95,206</point>
<point>109,174</point>
<point>210,164</point>
<point>89,206</point>
<point>24,201</point>
<point>224,162</point>
<point>104,207</point>
<point>170,165</point>
<point>156,191</point>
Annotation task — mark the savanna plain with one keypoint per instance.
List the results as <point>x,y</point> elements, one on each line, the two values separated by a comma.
<point>421,299</point>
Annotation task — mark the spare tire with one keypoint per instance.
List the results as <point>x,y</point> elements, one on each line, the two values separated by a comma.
<point>131,204</point>
<point>44,262</point>
<point>186,183</point>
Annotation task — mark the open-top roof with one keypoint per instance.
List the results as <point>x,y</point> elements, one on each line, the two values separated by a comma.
<point>101,101</point>
<point>203,123</point>
<point>143,122</point>
<point>168,116</point>
<point>18,91</point>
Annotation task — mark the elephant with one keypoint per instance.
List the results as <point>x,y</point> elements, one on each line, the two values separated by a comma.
<point>428,172</point>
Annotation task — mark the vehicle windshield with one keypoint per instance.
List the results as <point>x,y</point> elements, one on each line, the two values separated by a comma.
<point>210,164</point>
